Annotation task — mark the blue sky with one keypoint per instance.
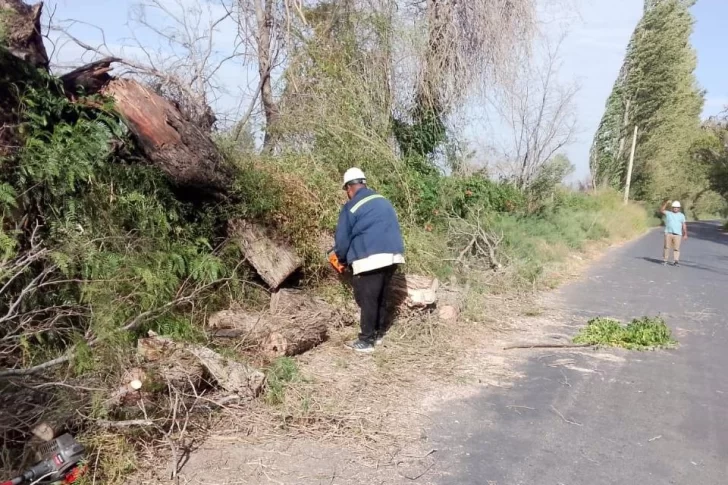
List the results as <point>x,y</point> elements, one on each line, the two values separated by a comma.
<point>710,39</point>
<point>592,54</point>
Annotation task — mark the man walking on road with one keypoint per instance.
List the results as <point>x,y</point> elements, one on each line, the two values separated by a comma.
<point>675,231</point>
<point>368,238</point>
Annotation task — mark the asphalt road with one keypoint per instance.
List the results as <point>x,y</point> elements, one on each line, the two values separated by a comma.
<point>616,417</point>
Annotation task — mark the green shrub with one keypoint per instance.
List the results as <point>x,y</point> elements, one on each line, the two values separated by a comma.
<point>279,375</point>
<point>461,196</point>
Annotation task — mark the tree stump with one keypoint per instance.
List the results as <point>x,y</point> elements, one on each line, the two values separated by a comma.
<point>415,291</point>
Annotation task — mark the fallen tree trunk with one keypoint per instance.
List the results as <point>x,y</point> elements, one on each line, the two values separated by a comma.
<point>168,364</point>
<point>186,154</point>
<point>22,33</point>
<point>183,151</point>
<point>273,261</point>
<point>230,375</point>
<point>275,335</point>
<point>88,79</point>
<point>186,365</point>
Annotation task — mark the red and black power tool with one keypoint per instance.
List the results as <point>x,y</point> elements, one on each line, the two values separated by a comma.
<point>61,462</point>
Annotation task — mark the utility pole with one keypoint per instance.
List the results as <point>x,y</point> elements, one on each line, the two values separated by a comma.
<point>631,164</point>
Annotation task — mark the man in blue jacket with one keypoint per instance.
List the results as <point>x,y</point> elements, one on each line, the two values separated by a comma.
<point>369,239</point>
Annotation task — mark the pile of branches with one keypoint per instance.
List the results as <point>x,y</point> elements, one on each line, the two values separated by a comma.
<point>474,243</point>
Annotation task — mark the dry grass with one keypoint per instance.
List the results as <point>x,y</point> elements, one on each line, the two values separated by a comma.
<point>372,404</point>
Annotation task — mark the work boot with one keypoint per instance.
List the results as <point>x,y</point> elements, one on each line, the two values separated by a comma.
<point>359,345</point>
<point>676,263</point>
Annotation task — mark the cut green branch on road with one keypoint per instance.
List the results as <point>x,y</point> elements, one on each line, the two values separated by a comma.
<point>646,333</point>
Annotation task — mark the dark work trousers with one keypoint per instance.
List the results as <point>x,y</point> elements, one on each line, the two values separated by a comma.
<point>370,292</point>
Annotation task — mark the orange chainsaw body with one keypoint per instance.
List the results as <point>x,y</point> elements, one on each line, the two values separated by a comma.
<point>335,263</point>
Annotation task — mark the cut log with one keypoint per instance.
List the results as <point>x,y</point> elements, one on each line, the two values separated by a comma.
<point>169,363</point>
<point>127,394</point>
<point>180,149</point>
<point>448,313</point>
<point>273,261</point>
<point>274,335</point>
<point>184,365</point>
<point>230,375</point>
<point>287,301</point>
<point>415,291</point>
<point>22,32</point>
<point>43,431</point>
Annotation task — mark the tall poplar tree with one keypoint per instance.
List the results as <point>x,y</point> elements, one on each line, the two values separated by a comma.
<point>657,91</point>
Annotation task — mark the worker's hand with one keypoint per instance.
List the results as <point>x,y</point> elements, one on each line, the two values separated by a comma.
<point>685,236</point>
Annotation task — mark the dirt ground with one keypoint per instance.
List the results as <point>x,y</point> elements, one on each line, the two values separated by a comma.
<point>351,419</point>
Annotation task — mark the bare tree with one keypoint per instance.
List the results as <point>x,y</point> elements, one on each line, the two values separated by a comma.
<point>539,114</point>
<point>259,27</point>
<point>184,59</point>
<point>264,26</point>
<point>469,42</point>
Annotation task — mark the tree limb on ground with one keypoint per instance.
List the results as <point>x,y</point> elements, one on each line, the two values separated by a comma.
<point>547,346</point>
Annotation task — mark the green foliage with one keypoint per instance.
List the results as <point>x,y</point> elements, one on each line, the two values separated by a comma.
<point>657,92</point>
<point>711,151</point>
<point>119,243</point>
<point>279,375</point>
<point>547,180</point>
<point>646,333</point>
<point>423,135</point>
<point>461,196</point>
<point>534,242</point>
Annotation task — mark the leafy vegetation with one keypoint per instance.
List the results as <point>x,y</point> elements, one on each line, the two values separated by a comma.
<point>280,374</point>
<point>90,242</point>
<point>711,151</point>
<point>646,333</point>
<point>656,92</point>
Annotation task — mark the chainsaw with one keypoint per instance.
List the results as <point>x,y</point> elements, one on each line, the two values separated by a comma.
<point>61,462</point>
<point>335,263</point>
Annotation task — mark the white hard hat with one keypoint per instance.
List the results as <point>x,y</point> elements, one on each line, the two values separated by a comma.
<point>354,174</point>
<point>676,204</point>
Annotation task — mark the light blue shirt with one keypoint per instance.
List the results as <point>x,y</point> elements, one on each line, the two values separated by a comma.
<point>674,222</point>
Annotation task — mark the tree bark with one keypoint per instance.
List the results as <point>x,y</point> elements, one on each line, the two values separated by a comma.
<point>414,291</point>
<point>274,335</point>
<point>88,79</point>
<point>274,261</point>
<point>264,21</point>
<point>186,154</point>
<point>184,365</point>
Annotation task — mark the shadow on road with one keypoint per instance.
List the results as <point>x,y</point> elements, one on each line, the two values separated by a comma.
<point>686,263</point>
<point>651,260</point>
<point>707,231</point>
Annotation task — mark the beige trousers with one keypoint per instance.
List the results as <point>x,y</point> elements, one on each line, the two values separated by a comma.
<point>672,241</point>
